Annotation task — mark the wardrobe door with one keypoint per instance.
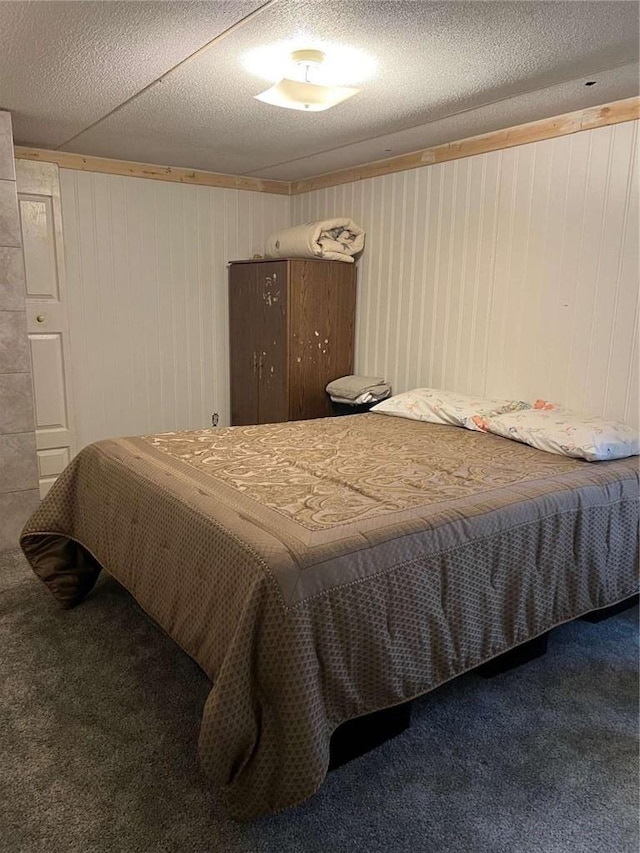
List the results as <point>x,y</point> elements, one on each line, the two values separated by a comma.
<point>322,307</point>
<point>245,326</point>
<point>273,394</point>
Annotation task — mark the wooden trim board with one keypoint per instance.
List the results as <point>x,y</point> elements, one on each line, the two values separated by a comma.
<point>536,131</point>
<point>130,169</point>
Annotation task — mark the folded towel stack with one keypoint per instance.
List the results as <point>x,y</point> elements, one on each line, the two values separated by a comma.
<point>356,390</point>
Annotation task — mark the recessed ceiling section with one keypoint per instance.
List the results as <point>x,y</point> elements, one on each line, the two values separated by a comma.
<point>437,68</point>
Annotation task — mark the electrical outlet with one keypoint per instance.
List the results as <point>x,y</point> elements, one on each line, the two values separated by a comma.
<point>214,419</point>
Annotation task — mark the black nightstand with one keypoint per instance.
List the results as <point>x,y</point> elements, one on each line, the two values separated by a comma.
<point>346,409</point>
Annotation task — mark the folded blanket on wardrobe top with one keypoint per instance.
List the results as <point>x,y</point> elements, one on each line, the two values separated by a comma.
<point>349,388</point>
<point>336,239</point>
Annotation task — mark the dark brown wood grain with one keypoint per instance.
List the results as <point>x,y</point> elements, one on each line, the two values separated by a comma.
<point>295,320</point>
<point>273,385</point>
<point>323,298</point>
<point>244,335</point>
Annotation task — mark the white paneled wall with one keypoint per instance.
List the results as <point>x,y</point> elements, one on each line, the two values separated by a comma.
<point>511,273</point>
<point>147,283</point>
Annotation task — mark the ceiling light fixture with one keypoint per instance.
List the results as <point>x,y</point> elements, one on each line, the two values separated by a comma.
<point>299,92</point>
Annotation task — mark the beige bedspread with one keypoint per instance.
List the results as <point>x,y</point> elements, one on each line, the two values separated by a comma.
<point>322,570</point>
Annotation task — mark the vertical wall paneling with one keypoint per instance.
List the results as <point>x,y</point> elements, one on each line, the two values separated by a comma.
<point>509,273</point>
<point>147,284</point>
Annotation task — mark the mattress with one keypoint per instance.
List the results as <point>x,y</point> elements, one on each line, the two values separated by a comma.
<point>321,570</point>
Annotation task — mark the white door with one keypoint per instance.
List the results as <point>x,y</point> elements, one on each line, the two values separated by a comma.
<point>47,324</point>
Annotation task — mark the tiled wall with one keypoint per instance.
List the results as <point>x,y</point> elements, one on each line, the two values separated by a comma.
<point>18,467</point>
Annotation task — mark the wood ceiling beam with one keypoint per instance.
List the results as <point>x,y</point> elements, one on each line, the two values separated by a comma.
<point>536,131</point>
<point>176,174</point>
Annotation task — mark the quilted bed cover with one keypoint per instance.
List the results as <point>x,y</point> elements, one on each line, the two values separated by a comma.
<point>321,570</point>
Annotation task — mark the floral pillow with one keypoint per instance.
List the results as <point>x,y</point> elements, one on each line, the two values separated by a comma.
<point>445,407</point>
<point>557,430</point>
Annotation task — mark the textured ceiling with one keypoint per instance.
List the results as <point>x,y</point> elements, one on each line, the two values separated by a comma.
<point>64,65</point>
<point>80,76</point>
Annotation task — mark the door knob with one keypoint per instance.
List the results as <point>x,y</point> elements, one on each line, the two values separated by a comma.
<point>41,318</point>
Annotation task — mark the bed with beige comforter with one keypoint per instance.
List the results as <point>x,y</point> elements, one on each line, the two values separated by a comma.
<point>321,570</point>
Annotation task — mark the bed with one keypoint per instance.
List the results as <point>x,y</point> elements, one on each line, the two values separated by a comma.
<point>322,570</point>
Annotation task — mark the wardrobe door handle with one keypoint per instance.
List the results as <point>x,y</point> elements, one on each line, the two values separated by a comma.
<point>255,362</point>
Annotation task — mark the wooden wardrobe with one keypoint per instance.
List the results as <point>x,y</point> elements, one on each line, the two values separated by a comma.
<point>291,331</point>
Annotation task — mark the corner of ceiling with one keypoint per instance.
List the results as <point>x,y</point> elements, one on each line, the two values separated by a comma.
<point>588,118</point>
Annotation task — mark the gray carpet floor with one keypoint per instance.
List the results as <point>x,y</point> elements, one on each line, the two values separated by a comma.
<point>99,716</point>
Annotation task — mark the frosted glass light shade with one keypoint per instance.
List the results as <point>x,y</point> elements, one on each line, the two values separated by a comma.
<point>309,97</point>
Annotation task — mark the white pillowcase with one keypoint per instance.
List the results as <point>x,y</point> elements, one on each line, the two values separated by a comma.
<point>564,432</point>
<point>445,407</point>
